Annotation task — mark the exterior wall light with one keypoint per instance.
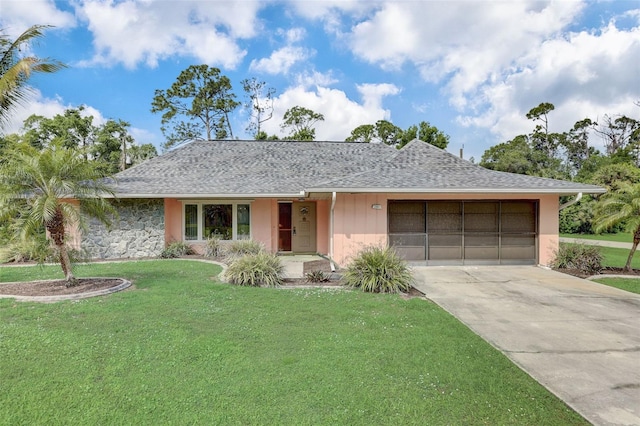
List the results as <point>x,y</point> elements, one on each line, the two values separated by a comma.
<point>376,206</point>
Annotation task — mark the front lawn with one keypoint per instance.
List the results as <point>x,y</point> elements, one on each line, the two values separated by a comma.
<point>617,257</point>
<point>183,349</point>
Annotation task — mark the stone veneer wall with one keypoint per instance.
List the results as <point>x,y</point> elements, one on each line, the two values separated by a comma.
<point>137,232</point>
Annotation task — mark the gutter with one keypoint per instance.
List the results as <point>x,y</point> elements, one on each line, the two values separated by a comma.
<point>485,190</point>
<point>570,202</point>
<point>333,204</point>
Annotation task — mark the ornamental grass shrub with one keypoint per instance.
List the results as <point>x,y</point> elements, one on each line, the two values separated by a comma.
<point>176,249</point>
<point>378,270</point>
<point>581,257</point>
<point>213,247</point>
<point>237,249</point>
<point>260,269</point>
<point>317,277</point>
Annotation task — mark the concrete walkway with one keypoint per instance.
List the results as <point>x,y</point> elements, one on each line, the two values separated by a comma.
<point>578,338</point>
<point>294,264</point>
<point>601,243</point>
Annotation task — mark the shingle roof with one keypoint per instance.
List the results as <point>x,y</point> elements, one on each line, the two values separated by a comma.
<point>259,168</point>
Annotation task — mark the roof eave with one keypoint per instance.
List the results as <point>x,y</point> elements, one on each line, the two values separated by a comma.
<point>210,196</point>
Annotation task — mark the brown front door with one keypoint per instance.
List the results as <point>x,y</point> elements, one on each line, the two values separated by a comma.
<point>284,226</point>
<point>304,228</point>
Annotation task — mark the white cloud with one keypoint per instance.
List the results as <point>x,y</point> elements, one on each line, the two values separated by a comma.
<point>496,60</point>
<point>134,32</point>
<point>583,74</point>
<point>315,78</point>
<point>18,15</point>
<point>281,60</point>
<point>372,94</point>
<point>341,114</point>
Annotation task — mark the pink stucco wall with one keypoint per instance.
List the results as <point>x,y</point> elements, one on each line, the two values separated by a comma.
<point>264,223</point>
<point>357,224</point>
<point>548,228</point>
<point>172,220</point>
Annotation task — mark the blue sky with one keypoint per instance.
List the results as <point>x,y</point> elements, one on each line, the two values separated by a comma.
<point>472,68</point>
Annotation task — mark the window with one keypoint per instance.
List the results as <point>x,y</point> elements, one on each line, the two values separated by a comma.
<point>225,220</point>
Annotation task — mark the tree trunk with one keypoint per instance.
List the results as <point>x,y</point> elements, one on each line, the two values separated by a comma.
<point>55,226</point>
<point>636,241</point>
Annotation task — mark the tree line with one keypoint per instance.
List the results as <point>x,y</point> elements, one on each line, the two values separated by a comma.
<point>198,106</point>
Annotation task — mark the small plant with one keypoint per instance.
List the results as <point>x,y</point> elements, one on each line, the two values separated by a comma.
<point>316,277</point>
<point>378,270</point>
<point>255,270</point>
<point>584,258</point>
<point>213,247</point>
<point>176,249</point>
<point>237,249</point>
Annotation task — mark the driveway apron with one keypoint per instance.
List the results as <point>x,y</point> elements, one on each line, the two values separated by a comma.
<point>579,339</point>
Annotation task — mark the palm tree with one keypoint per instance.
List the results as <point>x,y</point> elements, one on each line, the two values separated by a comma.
<point>15,70</point>
<point>36,188</point>
<point>621,206</point>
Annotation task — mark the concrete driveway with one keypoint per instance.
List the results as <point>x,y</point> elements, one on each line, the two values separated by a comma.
<point>578,338</point>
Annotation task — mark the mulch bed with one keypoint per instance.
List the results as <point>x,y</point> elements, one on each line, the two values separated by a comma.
<point>605,271</point>
<point>57,287</point>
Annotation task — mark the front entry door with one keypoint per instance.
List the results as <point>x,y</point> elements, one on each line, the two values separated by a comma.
<point>303,232</point>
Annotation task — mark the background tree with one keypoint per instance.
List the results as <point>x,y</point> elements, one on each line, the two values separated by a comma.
<point>576,145</point>
<point>16,70</point>
<point>196,106</point>
<point>364,133</point>
<point>621,137</point>
<point>260,103</point>
<point>541,138</point>
<point>514,156</point>
<point>621,206</point>
<point>35,187</point>
<point>140,153</point>
<point>69,129</point>
<point>426,133</point>
<point>382,132</point>
<point>299,121</point>
<point>388,133</point>
<point>112,146</point>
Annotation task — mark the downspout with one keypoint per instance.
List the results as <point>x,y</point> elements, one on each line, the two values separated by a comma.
<point>570,202</point>
<point>333,204</point>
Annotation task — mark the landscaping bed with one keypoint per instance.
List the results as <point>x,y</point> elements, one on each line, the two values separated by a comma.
<point>58,287</point>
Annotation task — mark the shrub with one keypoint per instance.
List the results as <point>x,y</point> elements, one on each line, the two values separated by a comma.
<point>257,269</point>
<point>236,249</point>
<point>213,247</point>
<point>316,277</point>
<point>378,270</point>
<point>176,249</point>
<point>584,258</point>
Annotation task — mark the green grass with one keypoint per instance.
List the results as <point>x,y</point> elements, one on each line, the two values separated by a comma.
<point>181,348</point>
<point>617,257</point>
<point>628,284</point>
<point>621,237</point>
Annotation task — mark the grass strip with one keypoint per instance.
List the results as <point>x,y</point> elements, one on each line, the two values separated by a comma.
<point>622,237</point>
<point>628,284</point>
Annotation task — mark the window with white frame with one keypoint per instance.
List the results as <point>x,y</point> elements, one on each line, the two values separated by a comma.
<point>222,219</point>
